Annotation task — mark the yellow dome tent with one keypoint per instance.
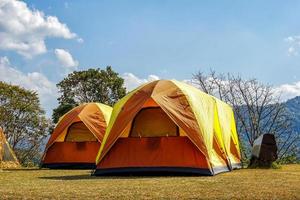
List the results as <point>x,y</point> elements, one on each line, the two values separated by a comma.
<point>8,158</point>
<point>77,136</point>
<point>166,126</point>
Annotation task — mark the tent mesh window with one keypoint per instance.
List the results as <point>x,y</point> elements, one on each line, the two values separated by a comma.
<point>153,122</point>
<point>78,132</point>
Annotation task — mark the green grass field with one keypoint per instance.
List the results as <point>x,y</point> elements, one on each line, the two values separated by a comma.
<point>281,183</point>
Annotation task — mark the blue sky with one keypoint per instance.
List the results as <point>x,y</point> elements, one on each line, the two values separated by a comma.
<point>168,39</point>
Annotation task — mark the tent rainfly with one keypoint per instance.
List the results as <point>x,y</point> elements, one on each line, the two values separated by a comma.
<point>77,136</point>
<point>169,126</point>
<point>8,158</point>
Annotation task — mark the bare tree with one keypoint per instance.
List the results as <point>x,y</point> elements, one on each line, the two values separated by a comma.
<point>257,109</point>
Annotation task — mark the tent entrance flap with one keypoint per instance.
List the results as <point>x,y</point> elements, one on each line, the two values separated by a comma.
<point>78,132</point>
<point>153,122</point>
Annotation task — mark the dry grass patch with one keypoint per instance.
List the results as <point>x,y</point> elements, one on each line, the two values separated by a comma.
<point>281,183</point>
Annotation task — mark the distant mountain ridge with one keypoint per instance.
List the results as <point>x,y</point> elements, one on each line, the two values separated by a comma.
<point>293,106</point>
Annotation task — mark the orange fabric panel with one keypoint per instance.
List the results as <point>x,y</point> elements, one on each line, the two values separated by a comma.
<point>126,115</point>
<point>220,154</point>
<point>153,122</point>
<point>234,154</point>
<point>78,132</point>
<point>64,124</point>
<point>94,119</point>
<point>72,152</point>
<point>154,152</point>
<point>126,131</point>
<point>150,103</point>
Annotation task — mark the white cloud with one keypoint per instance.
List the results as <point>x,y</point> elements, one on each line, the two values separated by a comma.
<point>292,51</point>
<point>132,81</point>
<point>36,81</point>
<point>294,42</point>
<point>65,58</point>
<point>288,91</point>
<point>24,30</point>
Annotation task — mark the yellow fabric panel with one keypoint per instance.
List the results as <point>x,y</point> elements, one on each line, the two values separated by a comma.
<point>233,130</point>
<point>217,129</point>
<point>78,132</point>
<point>106,111</point>
<point>153,122</point>
<point>216,160</point>
<point>218,138</point>
<point>227,125</point>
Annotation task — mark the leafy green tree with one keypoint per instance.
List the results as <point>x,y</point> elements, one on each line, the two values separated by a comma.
<point>23,121</point>
<point>92,85</point>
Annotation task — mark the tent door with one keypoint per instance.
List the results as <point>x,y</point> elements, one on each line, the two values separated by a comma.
<point>153,122</point>
<point>78,132</point>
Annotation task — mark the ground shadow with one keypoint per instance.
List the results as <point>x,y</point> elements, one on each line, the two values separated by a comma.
<point>119,176</point>
<point>22,169</point>
<point>66,178</point>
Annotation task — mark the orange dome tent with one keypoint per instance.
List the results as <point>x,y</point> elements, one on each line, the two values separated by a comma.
<point>77,137</point>
<point>169,126</point>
